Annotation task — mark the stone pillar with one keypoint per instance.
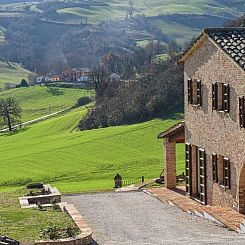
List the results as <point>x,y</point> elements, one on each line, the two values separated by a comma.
<point>170,164</point>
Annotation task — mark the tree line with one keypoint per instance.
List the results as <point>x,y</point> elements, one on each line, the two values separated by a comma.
<point>132,89</point>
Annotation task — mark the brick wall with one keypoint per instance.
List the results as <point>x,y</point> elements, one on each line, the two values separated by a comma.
<point>214,131</point>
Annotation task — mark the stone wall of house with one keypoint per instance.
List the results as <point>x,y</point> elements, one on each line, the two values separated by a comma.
<point>216,132</point>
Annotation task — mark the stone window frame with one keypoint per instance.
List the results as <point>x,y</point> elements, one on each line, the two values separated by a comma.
<point>242,111</point>
<point>194,92</point>
<point>221,97</point>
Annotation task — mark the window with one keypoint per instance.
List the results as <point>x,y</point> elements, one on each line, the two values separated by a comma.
<point>242,111</point>
<point>215,168</point>
<point>221,170</point>
<point>194,92</point>
<point>221,97</point>
<point>227,181</point>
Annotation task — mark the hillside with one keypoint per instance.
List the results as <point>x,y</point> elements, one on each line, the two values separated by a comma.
<point>52,33</point>
<point>40,101</point>
<point>51,151</point>
<point>12,72</point>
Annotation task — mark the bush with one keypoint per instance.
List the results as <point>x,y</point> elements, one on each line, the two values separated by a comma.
<point>34,186</point>
<point>24,83</point>
<point>55,233</point>
<point>84,101</point>
<point>51,232</point>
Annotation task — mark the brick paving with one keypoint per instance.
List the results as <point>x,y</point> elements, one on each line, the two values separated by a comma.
<point>223,215</point>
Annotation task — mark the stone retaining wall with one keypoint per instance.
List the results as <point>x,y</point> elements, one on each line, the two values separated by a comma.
<point>32,201</point>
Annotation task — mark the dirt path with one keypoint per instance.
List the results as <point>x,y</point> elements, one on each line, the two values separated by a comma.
<point>139,219</point>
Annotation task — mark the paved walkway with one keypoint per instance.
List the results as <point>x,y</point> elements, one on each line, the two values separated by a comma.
<point>135,218</point>
<point>224,215</point>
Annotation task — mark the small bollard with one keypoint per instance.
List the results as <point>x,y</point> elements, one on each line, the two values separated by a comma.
<point>143,179</point>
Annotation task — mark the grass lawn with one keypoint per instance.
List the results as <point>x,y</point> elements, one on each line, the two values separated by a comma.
<point>12,72</point>
<point>39,101</point>
<point>25,224</point>
<point>76,161</point>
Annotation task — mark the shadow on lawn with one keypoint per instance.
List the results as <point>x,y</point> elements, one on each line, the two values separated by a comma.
<point>14,132</point>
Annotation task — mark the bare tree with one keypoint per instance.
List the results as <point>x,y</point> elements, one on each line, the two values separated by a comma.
<point>10,112</point>
<point>99,79</point>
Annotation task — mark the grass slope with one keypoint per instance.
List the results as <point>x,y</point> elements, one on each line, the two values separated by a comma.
<point>12,72</point>
<point>82,161</point>
<point>39,101</point>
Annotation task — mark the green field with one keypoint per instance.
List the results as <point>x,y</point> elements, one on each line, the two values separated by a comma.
<point>40,101</point>
<point>162,13</point>
<point>213,12</point>
<point>12,72</point>
<point>74,161</point>
<point>117,9</point>
<point>25,224</point>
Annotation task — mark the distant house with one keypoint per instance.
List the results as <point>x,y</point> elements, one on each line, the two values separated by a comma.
<point>55,78</point>
<point>75,74</point>
<point>114,77</point>
<point>214,128</point>
<point>42,79</point>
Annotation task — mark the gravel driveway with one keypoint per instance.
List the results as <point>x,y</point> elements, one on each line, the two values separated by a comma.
<point>139,219</point>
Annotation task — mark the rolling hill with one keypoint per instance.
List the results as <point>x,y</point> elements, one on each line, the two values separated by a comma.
<point>52,151</point>
<point>172,16</point>
<point>12,72</point>
<point>40,101</point>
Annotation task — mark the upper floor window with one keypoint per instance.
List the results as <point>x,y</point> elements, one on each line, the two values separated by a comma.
<point>221,97</point>
<point>242,111</point>
<point>194,92</point>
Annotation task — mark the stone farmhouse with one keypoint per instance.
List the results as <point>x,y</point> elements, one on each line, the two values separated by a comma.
<point>214,127</point>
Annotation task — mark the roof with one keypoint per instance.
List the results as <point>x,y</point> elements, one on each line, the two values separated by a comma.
<point>174,130</point>
<point>229,40</point>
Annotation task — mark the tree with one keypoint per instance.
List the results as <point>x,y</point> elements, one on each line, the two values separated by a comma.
<point>99,79</point>
<point>10,112</point>
<point>24,83</point>
<point>239,22</point>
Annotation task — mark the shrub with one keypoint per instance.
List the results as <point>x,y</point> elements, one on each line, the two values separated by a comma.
<point>84,101</point>
<point>51,232</point>
<point>34,186</point>
<point>55,233</point>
